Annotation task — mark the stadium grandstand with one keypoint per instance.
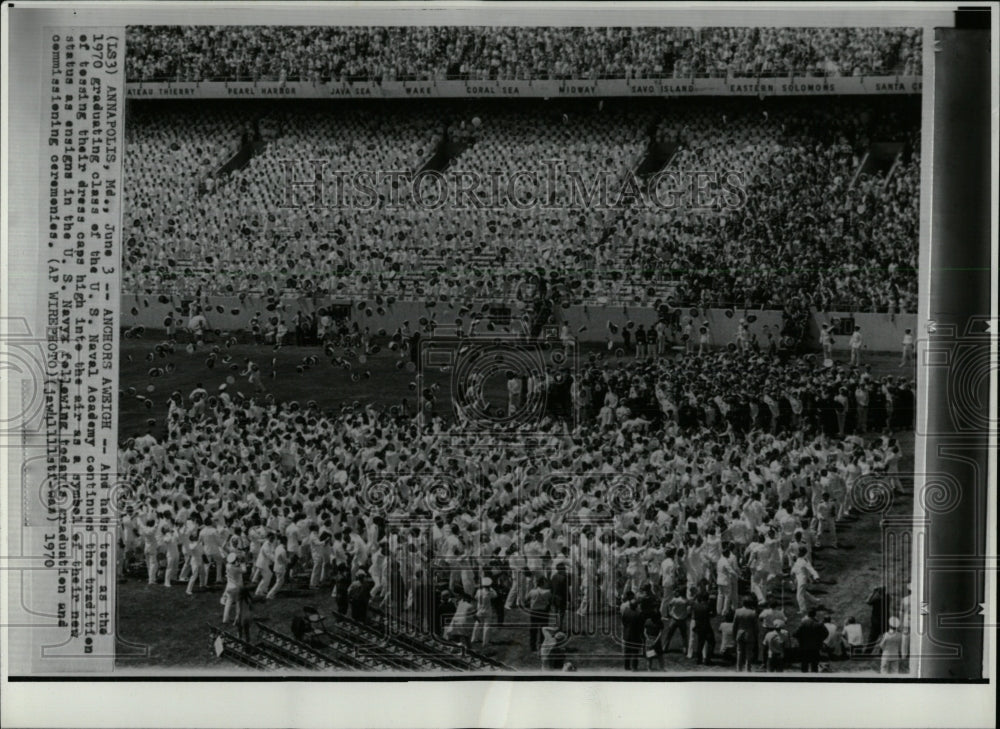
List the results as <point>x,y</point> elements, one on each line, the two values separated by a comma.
<point>319,55</point>
<point>470,383</point>
<point>198,205</point>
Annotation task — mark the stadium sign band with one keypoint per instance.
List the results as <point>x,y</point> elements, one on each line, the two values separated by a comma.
<point>789,86</point>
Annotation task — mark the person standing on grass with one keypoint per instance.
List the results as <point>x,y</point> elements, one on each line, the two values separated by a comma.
<point>359,595</point>
<point>826,522</point>
<point>892,459</point>
<point>560,594</point>
<point>518,564</point>
<point>769,617</point>
<point>704,338</point>
<point>840,409</point>
<point>341,588</point>
<point>687,336</point>
<point>835,645</point>
<point>775,647</point>
<point>653,643</point>
<point>264,565</point>
<point>150,544</point>
<point>632,632</point>
<point>668,577</point>
<point>197,325</point>
<point>485,616</point>
<point>727,579</point>
<point>907,349</point>
<point>172,549</point>
<point>826,340</point>
<point>661,337</point>
<point>195,558</point>
<point>880,608</point>
<point>679,610</point>
<point>460,626</point>
<point>891,647</point>
<point>212,544</point>
<point>292,545</point>
<point>856,344</point>
<point>810,634</point>
<point>704,635</point>
<point>861,399</point>
<point>280,569</point>
<point>640,342</point>
<point>234,585</point>
<point>379,572</point>
<point>801,539</point>
<point>319,554</point>
<point>244,613</point>
<point>754,558</point>
<point>804,573</point>
<point>745,629</point>
<point>538,603</point>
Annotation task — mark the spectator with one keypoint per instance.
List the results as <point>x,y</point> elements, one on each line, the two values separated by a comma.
<point>244,613</point>
<point>460,627</point>
<point>727,638</point>
<point>539,603</point>
<point>679,612</point>
<point>745,621</point>
<point>652,643</point>
<point>890,645</point>
<point>776,644</point>
<point>879,614</point>
<point>835,646</point>
<point>553,648</point>
<point>701,613</point>
<point>485,611</point>
<point>633,632</point>
<point>811,635</point>
<point>359,595</point>
<point>560,594</point>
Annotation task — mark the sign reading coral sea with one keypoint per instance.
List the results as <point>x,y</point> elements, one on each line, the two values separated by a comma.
<point>790,86</point>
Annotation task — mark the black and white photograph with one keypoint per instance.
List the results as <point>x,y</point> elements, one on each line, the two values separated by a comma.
<point>367,352</point>
<point>475,379</point>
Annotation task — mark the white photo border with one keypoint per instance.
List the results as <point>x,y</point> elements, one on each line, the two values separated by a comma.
<point>209,701</point>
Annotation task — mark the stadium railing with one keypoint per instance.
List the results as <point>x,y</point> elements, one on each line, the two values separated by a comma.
<point>230,647</point>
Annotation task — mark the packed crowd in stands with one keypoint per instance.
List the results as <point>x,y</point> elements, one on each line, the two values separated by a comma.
<point>324,54</point>
<point>803,209</point>
<point>690,489</point>
<point>810,197</point>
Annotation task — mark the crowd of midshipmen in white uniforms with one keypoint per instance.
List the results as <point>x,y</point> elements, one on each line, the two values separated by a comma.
<point>251,490</point>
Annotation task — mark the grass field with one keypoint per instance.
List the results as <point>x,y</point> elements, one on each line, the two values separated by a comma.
<point>164,628</point>
<point>383,379</point>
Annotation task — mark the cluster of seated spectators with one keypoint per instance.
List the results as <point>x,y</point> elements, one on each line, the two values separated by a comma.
<point>330,53</point>
<point>809,215</point>
<point>817,221</point>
